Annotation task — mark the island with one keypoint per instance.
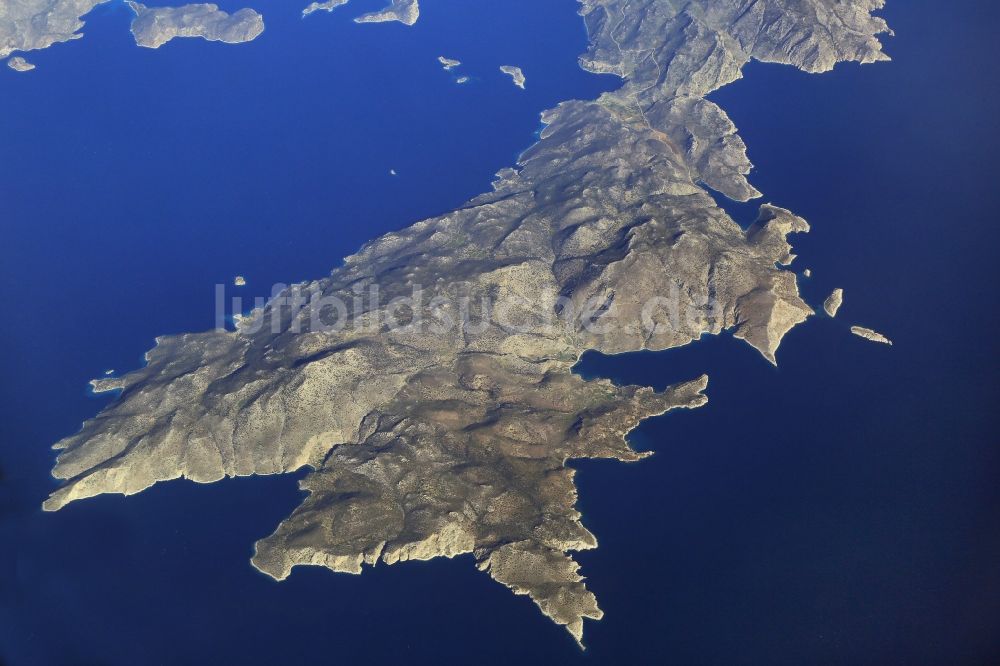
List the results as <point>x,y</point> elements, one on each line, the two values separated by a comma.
<point>153,27</point>
<point>833,302</point>
<point>514,73</point>
<point>439,418</point>
<point>19,64</point>
<point>807,273</point>
<point>28,25</point>
<point>869,334</point>
<point>327,6</point>
<point>239,281</point>
<point>405,11</point>
<point>448,63</point>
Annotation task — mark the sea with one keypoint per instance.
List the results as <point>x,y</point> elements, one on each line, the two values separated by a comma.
<point>842,508</point>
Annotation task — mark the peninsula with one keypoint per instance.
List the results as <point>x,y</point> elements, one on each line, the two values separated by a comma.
<point>444,426</point>
<point>28,25</point>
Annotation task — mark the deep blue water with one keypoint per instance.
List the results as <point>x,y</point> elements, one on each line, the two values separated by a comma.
<point>842,508</point>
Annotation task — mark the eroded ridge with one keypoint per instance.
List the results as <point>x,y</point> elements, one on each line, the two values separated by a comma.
<point>438,440</point>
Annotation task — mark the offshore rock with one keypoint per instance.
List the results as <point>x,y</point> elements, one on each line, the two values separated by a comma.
<point>870,335</point>
<point>19,64</point>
